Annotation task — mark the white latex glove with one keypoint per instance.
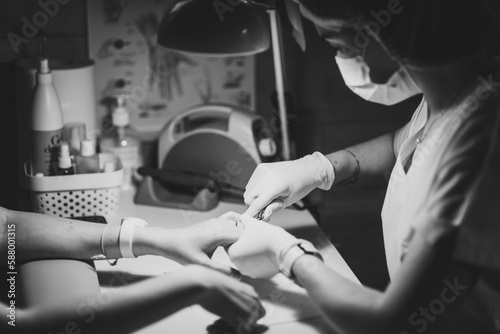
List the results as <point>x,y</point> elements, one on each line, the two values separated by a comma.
<point>257,252</point>
<point>284,183</point>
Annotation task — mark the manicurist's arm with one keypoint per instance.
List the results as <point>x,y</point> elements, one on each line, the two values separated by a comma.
<point>428,274</point>
<point>364,164</point>
<point>281,184</point>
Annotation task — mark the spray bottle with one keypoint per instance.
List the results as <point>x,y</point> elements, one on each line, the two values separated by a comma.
<point>46,120</point>
<point>64,165</point>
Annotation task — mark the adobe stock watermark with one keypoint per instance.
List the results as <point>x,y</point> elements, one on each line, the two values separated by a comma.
<point>381,19</point>
<point>436,307</point>
<point>223,6</point>
<point>30,28</point>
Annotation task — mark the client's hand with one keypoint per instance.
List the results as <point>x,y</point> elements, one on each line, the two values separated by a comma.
<point>193,244</point>
<point>232,300</point>
<point>257,252</point>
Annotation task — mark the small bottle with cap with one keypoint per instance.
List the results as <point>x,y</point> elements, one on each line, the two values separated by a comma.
<point>64,164</point>
<point>109,167</point>
<point>74,133</point>
<point>87,161</point>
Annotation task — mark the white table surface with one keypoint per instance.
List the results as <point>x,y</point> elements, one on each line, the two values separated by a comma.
<point>281,317</point>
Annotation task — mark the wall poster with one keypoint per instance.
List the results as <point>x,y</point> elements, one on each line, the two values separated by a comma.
<point>160,82</point>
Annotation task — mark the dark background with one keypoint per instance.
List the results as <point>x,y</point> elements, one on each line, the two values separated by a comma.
<point>325,116</point>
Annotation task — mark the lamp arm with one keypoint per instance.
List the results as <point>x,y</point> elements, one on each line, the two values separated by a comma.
<point>280,85</point>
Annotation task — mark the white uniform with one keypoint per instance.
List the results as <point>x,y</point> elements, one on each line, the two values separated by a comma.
<point>451,182</point>
<point>404,189</point>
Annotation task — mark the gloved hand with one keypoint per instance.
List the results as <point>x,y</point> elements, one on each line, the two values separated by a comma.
<point>284,183</point>
<point>257,252</point>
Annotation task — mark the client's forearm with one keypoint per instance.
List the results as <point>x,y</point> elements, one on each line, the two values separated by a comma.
<point>39,236</point>
<point>123,310</point>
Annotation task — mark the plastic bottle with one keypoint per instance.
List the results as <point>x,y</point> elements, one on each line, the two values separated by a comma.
<point>74,133</point>
<point>46,122</point>
<point>64,165</point>
<point>124,142</point>
<point>87,161</point>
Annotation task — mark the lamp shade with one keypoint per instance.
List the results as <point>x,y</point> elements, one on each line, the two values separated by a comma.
<point>214,28</point>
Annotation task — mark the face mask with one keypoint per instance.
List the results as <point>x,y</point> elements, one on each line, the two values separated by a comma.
<point>356,74</point>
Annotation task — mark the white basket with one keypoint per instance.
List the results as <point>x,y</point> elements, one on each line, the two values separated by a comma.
<point>95,194</point>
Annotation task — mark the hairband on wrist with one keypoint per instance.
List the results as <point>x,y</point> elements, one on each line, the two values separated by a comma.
<point>112,263</point>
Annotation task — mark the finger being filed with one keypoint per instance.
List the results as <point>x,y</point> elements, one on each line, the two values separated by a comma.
<point>249,197</point>
<point>258,204</point>
<point>247,219</point>
<point>273,207</point>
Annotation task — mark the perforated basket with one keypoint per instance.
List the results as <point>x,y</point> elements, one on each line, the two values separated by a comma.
<point>77,195</point>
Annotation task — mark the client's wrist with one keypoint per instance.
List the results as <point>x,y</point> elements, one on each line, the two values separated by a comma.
<point>150,241</point>
<point>202,277</point>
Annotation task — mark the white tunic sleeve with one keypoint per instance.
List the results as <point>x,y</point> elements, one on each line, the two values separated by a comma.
<point>465,192</point>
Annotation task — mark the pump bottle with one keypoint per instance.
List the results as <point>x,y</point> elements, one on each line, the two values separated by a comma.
<point>46,122</point>
<point>123,141</point>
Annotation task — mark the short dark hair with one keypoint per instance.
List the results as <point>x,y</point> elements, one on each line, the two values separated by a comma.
<point>334,10</point>
<point>429,33</point>
<point>424,33</point>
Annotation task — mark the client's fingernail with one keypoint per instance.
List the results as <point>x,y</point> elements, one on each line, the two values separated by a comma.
<point>235,274</point>
<point>267,214</point>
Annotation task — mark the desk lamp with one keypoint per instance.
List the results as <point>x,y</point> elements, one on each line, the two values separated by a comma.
<point>226,28</point>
